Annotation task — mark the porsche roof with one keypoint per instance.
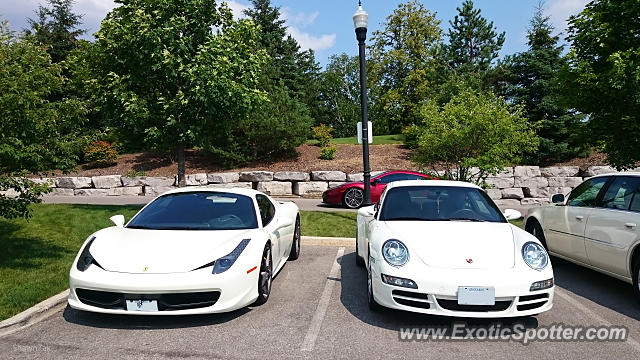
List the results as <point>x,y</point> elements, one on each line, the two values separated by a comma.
<point>431,183</point>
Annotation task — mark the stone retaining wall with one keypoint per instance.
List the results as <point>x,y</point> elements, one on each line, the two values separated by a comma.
<point>517,186</point>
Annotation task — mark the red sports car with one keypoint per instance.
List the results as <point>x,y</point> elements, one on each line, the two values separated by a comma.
<point>351,195</point>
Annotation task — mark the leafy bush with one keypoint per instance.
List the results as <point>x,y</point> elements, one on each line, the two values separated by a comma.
<point>101,153</point>
<point>328,152</point>
<point>472,136</point>
<point>135,173</point>
<point>322,133</point>
<point>25,192</point>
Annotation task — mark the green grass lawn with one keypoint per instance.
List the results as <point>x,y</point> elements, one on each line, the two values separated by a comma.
<point>37,255</point>
<point>377,140</point>
<point>333,224</point>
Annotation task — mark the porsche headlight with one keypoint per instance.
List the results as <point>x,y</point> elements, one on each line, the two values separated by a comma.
<point>534,255</point>
<point>395,252</point>
<point>86,259</point>
<point>224,263</point>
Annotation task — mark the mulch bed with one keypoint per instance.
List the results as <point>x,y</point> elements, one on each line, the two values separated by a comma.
<point>348,159</point>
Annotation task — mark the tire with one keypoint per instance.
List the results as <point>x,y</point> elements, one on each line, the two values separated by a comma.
<point>295,244</point>
<point>353,198</point>
<point>636,276</point>
<point>373,304</point>
<point>265,277</point>
<point>359,259</point>
<point>533,227</point>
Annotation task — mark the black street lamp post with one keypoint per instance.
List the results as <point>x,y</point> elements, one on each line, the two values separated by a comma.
<point>360,22</point>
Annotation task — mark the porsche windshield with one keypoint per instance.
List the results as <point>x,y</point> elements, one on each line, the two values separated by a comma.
<point>197,211</point>
<point>439,203</point>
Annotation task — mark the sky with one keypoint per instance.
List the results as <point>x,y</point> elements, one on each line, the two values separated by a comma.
<point>326,26</point>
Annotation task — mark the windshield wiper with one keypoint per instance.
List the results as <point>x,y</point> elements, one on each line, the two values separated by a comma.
<point>465,219</point>
<point>140,227</point>
<point>408,218</point>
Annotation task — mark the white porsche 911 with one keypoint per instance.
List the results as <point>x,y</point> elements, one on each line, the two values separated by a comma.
<point>189,251</point>
<point>444,248</point>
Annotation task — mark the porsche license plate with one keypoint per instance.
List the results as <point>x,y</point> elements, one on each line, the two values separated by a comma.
<point>476,295</point>
<point>142,305</point>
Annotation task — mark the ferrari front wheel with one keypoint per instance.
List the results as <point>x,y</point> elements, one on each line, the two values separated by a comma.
<point>265,277</point>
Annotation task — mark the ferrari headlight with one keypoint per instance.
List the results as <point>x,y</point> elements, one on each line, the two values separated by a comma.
<point>86,259</point>
<point>224,263</point>
<point>395,252</point>
<point>534,255</point>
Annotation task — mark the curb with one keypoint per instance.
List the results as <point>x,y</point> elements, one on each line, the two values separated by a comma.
<point>34,314</point>
<point>328,241</point>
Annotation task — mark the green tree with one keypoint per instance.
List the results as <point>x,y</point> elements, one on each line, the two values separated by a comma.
<point>297,70</point>
<point>472,136</point>
<point>179,72</point>
<point>340,95</point>
<point>473,41</point>
<point>404,66</point>
<point>533,80</point>
<point>36,134</point>
<point>57,27</point>
<point>603,76</point>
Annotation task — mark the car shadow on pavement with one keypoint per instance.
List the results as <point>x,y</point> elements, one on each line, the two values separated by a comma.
<point>141,322</point>
<point>607,291</point>
<point>354,299</point>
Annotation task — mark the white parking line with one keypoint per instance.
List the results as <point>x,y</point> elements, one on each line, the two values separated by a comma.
<point>316,323</point>
<point>565,296</point>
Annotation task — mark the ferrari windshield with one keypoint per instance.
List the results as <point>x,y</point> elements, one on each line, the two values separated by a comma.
<point>197,211</point>
<point>439,203</point>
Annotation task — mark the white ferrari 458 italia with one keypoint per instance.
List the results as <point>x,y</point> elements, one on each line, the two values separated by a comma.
<point>189,251</point>
<point>444,248</point>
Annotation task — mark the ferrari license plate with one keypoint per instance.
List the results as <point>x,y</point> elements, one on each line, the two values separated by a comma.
<point>142,305</point>
<point>473,295</point>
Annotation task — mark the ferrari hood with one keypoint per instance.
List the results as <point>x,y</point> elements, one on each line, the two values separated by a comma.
<point>457,244</point>
<point>161,251</point>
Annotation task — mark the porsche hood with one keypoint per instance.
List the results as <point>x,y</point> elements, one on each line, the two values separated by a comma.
<point>456,244</point>
<point>162,251</point>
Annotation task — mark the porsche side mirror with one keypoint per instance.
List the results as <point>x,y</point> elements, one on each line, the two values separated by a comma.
<point>512,214</point>
<point>557,199</point>
<point>117,220</point>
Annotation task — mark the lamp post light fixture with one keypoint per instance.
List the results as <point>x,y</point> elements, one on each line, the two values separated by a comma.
<point>360,22</point>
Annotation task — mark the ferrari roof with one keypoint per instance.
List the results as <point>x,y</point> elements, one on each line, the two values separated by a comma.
<point>239,191</point>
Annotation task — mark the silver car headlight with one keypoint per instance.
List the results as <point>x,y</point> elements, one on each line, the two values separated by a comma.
<point>395,252</point>
<point>535,255</point>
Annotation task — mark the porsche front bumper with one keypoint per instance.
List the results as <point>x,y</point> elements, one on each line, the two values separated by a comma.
<point>437,291</point>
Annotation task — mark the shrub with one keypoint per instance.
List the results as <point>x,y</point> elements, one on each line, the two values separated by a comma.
<point>135,173</point>
<point>328,152</point>
<point>322,133</point>
<point>100,153</point>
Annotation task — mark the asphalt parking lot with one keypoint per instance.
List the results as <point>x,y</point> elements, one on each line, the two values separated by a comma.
<point>318,309</point>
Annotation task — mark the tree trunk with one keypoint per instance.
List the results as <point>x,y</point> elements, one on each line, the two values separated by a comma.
<point>182,181</point>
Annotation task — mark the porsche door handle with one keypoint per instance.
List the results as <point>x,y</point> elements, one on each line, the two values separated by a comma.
<point>579,217</point>
<point>630,225</point>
